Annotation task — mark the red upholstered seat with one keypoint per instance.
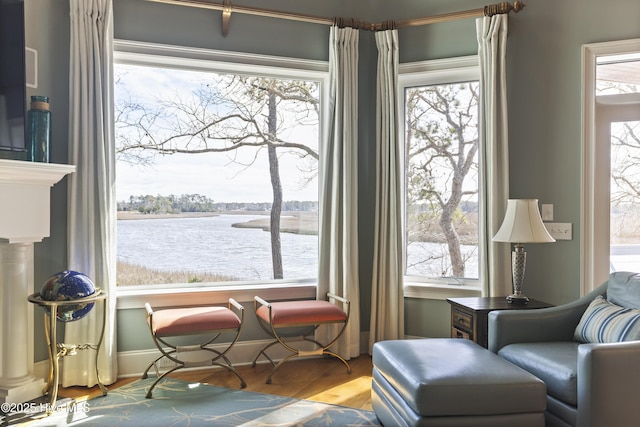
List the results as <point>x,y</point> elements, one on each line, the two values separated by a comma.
<point>181,321</point>
<point>309,312</point>
<point>286,320</point>
<point>208,323</point>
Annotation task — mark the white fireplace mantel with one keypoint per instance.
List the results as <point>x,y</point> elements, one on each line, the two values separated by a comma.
<point>25,195</point>
<point>25,205</point>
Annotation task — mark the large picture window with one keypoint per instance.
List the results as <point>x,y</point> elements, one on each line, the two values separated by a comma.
<point>216,171</point>
<point>441,173</point>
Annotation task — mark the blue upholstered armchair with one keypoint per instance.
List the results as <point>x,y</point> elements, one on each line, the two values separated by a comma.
<point>587,352</point>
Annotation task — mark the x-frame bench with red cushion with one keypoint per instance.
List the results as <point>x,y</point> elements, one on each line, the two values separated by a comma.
<point>274,317</point>
<point>202,320</point>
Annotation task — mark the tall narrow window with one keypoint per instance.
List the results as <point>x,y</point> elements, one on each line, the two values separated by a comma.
<point>610,239</point>
<point>618,97</point>
<point>441,179</point>
<point>625,196</point>
<point>216,174</point>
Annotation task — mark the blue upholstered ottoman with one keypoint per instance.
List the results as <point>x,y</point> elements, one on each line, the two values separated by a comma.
<point>452,382</point>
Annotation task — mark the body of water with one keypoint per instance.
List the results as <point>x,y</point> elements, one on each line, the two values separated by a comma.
<point>427,259</point>
<point>212,245</point>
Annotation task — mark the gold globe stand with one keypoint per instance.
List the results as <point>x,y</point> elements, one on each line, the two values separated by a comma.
<point>60,350</point>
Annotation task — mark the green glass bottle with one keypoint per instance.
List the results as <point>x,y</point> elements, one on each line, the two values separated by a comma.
<point>39,129</point>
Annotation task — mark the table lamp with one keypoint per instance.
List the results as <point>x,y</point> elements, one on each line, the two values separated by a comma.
<point>522,224</point>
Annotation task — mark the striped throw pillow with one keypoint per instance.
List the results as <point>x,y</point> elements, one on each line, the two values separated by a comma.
<point>604,322</point>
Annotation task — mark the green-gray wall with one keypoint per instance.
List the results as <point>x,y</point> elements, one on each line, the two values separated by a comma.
<point>544,52</point>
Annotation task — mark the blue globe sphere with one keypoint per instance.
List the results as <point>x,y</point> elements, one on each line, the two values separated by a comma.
<point>69,285</point>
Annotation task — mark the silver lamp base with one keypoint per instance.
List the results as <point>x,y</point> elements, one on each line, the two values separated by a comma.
<point>517,299</point>
<point>518,263</point>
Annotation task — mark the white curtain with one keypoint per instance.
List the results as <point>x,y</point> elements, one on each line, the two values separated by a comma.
<point>494,149</point>
<point>338,264</point>
<point>91,205</point>
<point>387,296</point>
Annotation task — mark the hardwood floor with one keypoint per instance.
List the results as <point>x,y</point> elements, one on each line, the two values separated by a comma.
<point>319,379</point>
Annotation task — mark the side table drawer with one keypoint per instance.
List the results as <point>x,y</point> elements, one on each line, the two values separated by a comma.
<point>457,333</point>
<point>461,320</point>
<point>469,316</point>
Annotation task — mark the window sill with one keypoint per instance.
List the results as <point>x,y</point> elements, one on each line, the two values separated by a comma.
<point>136,297</point>
<point>439,291</point>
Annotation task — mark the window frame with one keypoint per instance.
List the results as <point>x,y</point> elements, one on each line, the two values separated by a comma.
<point>594,228</point>
<point>432,72</point>
<point>143,53</point>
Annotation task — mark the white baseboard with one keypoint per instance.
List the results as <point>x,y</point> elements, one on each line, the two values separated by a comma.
<point>41,369</point>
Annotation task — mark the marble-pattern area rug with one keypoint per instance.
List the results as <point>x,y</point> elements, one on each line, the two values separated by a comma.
<point>179,403</point>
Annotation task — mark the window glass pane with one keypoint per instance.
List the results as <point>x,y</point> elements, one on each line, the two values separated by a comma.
<point>625,196</point>
<point>216,176</point>
<point>618,74</point>
<point>441,194</point>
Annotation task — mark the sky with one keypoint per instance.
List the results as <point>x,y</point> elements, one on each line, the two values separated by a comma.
<point>214,175</point>
<point>208,176</point>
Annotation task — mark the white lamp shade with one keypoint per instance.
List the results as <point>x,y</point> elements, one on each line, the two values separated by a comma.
<point>522,223</point>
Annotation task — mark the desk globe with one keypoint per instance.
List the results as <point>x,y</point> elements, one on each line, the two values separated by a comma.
<point>69,285</point>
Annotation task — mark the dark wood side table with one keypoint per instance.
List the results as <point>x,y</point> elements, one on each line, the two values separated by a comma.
<point>469,315</point>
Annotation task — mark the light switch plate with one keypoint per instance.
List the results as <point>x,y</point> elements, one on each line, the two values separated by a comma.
<point>560,230</point>
<point>547,212</point>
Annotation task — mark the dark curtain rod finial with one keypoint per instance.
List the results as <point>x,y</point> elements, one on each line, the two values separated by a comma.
<point>505,7</point>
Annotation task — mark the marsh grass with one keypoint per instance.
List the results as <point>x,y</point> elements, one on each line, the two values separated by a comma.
<point>298,222</point>
<point>131,274</point>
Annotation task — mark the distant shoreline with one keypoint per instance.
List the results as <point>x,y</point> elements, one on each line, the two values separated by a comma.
<point>290,222</point>
<point>133,215</point>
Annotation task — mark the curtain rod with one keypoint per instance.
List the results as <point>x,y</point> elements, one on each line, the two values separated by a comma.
<point>227,9</point>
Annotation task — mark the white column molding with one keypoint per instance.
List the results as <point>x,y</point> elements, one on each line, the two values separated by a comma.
<point>24,219</point>
<point>17,382</point>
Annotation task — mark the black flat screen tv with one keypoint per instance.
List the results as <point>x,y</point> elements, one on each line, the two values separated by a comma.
<point>12,80</point>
